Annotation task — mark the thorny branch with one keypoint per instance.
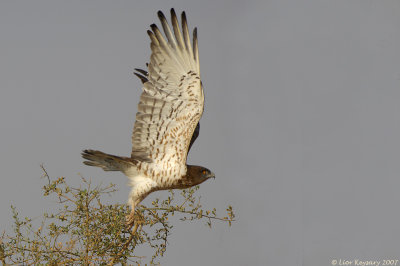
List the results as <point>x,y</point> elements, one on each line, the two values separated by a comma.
<point>85,230</point>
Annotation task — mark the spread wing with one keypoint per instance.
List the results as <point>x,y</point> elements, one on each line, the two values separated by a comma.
<point>172,101</point>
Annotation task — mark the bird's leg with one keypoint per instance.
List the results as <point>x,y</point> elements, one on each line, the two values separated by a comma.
<point>130,218</point>
<point>138,193</point>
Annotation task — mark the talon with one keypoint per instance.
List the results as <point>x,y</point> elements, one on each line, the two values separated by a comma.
<point>130,219</point>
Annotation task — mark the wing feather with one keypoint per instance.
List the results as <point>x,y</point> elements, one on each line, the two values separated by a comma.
<point>196,49</point>
<point>167,30</point>
<point>172,101</point>
<point>186,37</point>
<point>177,31</point>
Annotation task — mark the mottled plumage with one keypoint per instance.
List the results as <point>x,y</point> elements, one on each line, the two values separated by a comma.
<point>167,120</point>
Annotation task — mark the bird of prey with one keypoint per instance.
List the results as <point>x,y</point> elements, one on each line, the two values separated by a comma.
<point>167,120</point>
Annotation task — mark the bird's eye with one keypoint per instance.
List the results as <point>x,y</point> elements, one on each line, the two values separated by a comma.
<point>204,172</point>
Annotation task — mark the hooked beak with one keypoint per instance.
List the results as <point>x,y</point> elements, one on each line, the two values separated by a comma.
<point>212,175</point>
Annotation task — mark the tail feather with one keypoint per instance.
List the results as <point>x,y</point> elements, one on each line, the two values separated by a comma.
<point>106,161</point>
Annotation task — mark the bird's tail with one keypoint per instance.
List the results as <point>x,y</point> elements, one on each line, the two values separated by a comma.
<point>107,161</point>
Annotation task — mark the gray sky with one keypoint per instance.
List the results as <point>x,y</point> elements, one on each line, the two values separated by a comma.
<point>301,124</point>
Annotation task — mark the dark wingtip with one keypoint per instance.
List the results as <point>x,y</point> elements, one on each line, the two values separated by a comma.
<point>160,15</point>
<point>173,14</point>
<point>143,72</point>
<point>143,79</point>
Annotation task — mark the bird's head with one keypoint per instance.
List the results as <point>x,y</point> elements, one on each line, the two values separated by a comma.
<point>198,174</point>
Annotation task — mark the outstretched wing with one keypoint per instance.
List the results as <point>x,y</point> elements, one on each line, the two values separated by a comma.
<point>172,101</point>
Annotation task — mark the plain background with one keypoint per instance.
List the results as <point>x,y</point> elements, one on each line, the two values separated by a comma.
<point>301,124</point>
